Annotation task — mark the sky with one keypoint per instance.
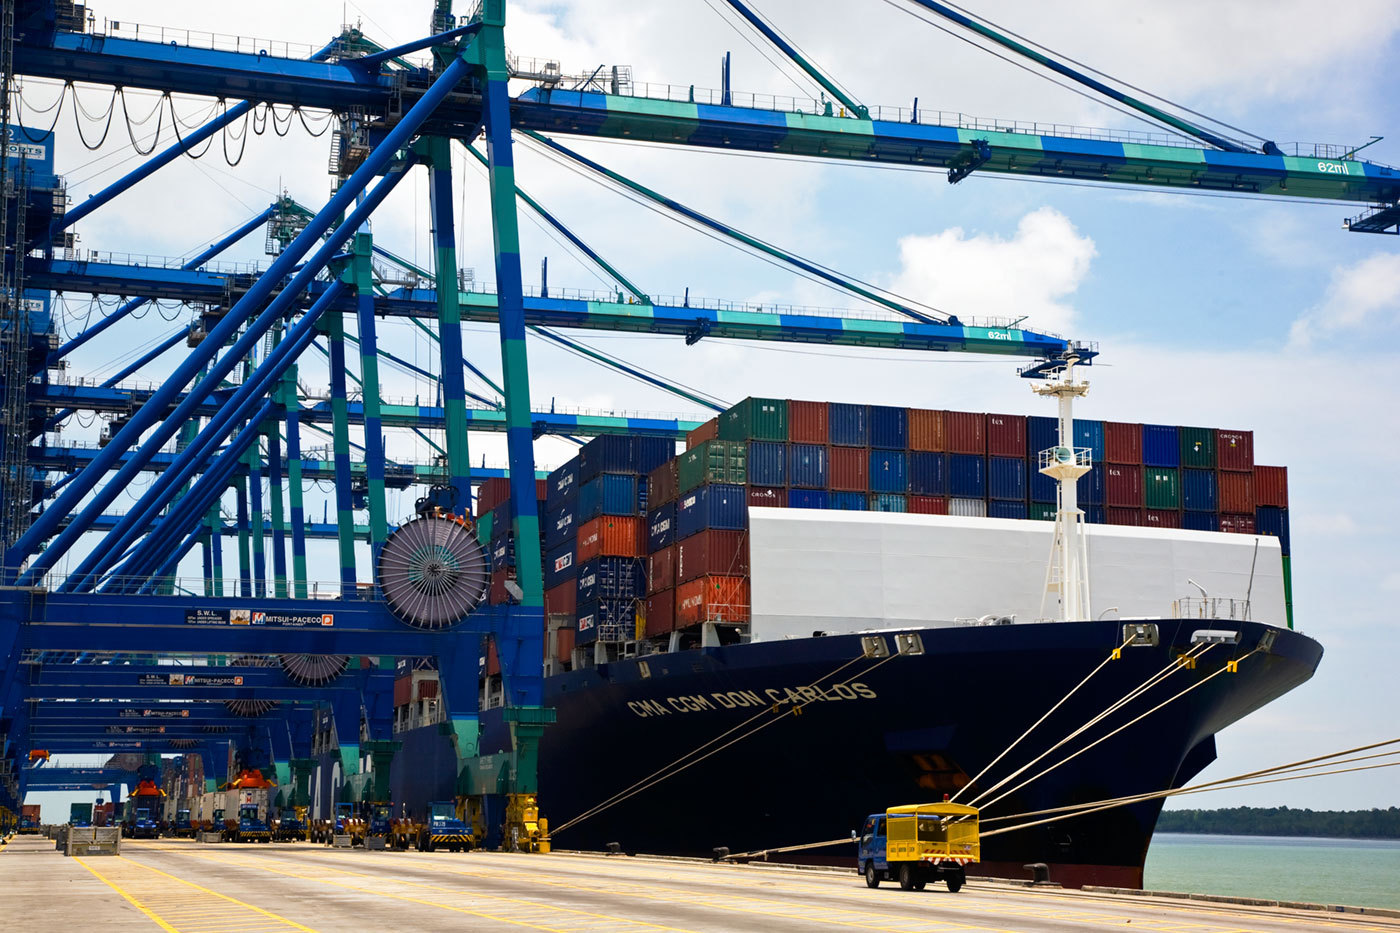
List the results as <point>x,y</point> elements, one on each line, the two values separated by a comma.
<point>1229,312</point>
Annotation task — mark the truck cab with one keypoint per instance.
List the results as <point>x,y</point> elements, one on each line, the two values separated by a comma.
<point>142,824</point>
<point>380,815</point>
<point>919,843</point>
<point>445,828</point>
<point>290,825</point>
<point>251,826</point>
<point>182,827</point>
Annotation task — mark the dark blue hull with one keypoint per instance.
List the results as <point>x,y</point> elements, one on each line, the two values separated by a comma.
<point>877,732</point>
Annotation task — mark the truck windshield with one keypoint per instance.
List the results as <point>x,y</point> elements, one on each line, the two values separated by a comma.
<point>248,813</point>
<point>444,811</point>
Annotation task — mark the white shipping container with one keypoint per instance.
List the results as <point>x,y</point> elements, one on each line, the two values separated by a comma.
<point>830,571</point>
<point>969,508</point>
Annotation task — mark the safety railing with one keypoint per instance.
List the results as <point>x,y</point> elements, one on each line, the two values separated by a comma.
<point>1211,607</point>
<point>197,39</point>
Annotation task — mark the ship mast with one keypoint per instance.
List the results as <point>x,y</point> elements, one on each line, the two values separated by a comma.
<point>1067,575</point>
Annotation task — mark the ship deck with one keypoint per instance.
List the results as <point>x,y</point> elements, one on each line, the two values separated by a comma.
<point>188,887</point>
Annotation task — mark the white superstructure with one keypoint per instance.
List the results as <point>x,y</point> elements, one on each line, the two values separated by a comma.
<point>829,571</point>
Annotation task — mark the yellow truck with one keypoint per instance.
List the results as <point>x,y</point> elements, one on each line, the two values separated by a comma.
<point>919,843</point>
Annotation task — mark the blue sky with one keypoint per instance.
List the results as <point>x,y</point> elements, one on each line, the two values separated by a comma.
<point>1225,312</point>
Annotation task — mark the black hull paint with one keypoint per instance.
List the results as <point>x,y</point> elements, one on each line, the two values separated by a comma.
<point>902,730</point>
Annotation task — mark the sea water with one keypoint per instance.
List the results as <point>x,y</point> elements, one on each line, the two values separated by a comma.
<point>1355,872</point>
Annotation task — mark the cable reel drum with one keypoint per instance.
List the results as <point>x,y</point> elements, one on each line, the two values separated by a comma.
<point>432,570</point>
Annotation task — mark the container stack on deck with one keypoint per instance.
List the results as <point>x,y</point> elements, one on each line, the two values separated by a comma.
<point>640,544</point>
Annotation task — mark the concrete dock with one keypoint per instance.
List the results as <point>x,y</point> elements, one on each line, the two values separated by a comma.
<point>186,887</point>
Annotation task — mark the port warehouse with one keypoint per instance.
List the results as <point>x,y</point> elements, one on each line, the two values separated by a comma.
<point>639,544</point>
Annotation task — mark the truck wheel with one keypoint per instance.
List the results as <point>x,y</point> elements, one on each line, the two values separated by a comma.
<point>906,877</point>
<point>872,877</point>
<point>955,880</point>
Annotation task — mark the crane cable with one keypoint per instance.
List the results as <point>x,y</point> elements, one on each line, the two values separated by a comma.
<point>1205,680</point>
<point>1102,664</point>
<point>662,774</point>
<point>1167,671</point>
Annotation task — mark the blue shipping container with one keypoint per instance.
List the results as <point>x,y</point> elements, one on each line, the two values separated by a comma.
<point>1200,521</point>
<point>1001,508</point>
<point>1042,487</point>
<point>648,453</point>
<point>967,476</point>
<point>808,499</point>
<point>767,463</point>
<point>1041,434</point>
<point>889,427</point>
<point>560,524</point>
<point>1094,515</point>
<point>849,425</point>
<point>888,502</point>
<point>1006,479</point>
<point>848,501</point>
<point>606,620</point>
<point>1090,434</point>
<point>606,453</point>
<point>718,505</point>
<point>807,466</point>
<point>1272,520</point>
<point>1161,445</point>
<point>889,471</point>
<point>641,495</point>
<point>560,565</point>
<point>611,578</point>
<point>502,553</point>
<point>562,484</point>
<point>661,527</point>
<point>1089,489</point>
<point>1198,491</point>
<point>607,494</point>
<point>928,473</point>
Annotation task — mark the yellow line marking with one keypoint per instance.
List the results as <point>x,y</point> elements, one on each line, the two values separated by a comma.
<point>131,900</point>
<point>259,910</point>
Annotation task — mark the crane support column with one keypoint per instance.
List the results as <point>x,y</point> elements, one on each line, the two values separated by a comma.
<point>358,270</point>
<point>296,503</point>
<point>520,642</point>
<point>340,440</point>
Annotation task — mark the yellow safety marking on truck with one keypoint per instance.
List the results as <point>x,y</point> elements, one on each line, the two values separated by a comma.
<point>185,911</point>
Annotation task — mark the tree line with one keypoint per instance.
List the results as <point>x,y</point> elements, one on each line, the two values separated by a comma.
<point>1284,821</point>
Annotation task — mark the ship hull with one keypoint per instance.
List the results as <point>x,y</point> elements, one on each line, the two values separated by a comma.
<point>790,742</point>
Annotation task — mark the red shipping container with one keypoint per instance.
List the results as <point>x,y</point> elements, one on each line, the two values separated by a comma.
<point>1238,524</point>
<point>807,422</point>
<point>1122,516</point>
<point>1236,492</point>
<point>1006,436</point>
<point>1271,486</point>
<point>663,484</point>
<point>1161,518</point>
<point>498,595</point>
<point>1122,486</point>
<point>661,570</point>
<point>564,643</point>
<point>927,505</point>
<point>561,600</point>
<point>491,494</point>
<point>493,660</point>
<point>403,690</point>
<point>427,689</point>
<point>848,469</point>
<point>966,432</point>
<point>927,431</point>
<point>661,613</point>
<point>767,497</point>
<point>712,599</point>
<point>712,552</point>
<point>1234,451</point>
<point>706,432</point>
<point>612,536</point>
<point>1122,443</point>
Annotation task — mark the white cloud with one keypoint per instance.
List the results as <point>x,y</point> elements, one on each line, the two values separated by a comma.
<point>1029,274</point>
<point>1365,294</point>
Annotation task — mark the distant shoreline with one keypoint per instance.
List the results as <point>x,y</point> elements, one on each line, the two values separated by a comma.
<point>1381,825</point>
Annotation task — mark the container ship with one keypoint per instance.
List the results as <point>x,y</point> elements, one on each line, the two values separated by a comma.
<point>819,610</point>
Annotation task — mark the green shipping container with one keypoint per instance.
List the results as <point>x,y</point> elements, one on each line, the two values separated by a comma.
<point>1161,489</point>
<point>1197,448</point>
<point>755,419</point>
<point>483,527</point>
<point>1288,589</point>
<point>714,462</point>
<point>1043,512</point>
